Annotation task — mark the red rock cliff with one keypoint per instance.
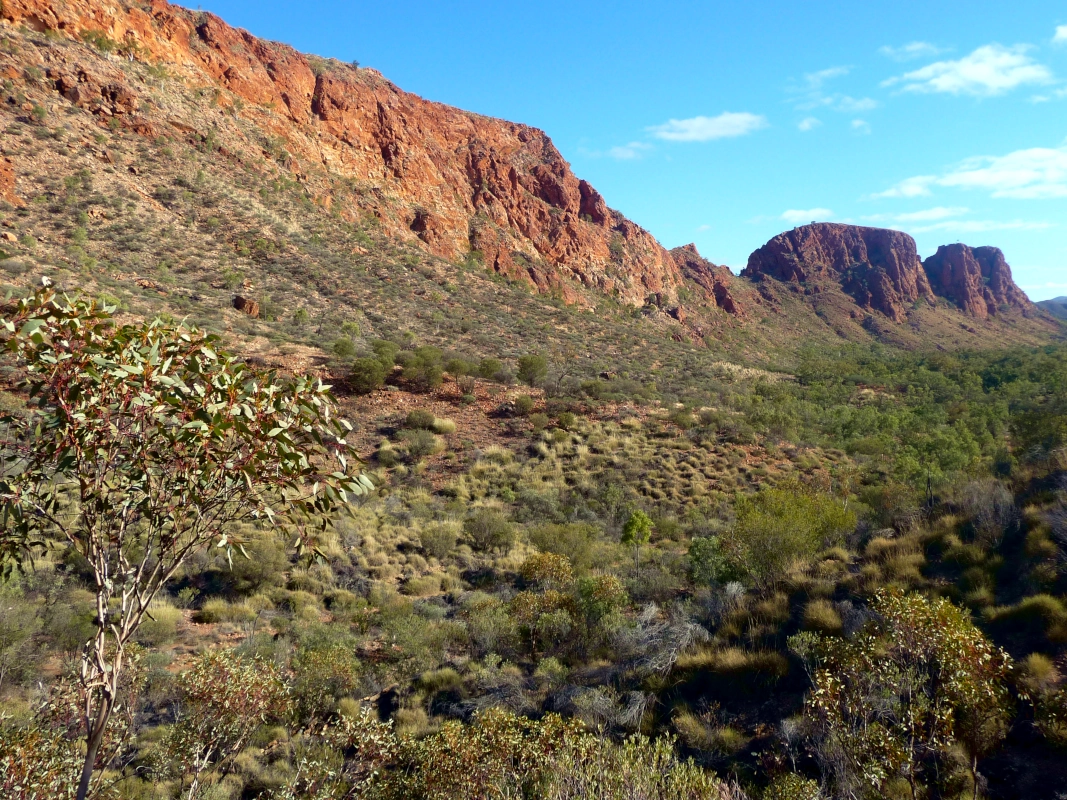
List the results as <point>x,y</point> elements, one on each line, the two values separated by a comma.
<point>879,268</point>
<point>457,181</point>
<point>977,279</point>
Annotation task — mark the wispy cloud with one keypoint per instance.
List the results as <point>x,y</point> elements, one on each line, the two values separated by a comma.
<point>809,123</point>
<point>627,152</point>
<point>926,215</point>
<point>990,70</point>
<point>1060,37</point>
<point>809,93</point>
<point>911,51</point>
<point>1037,172</point>
<point>861,126</point>
<point>799,215</point>
<point>704,129</point>
<point>980,226</point>
<point>919,186</point>
<point>1031,174</point>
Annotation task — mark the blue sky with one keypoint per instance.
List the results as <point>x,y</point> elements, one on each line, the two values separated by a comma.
<point>726,123</point>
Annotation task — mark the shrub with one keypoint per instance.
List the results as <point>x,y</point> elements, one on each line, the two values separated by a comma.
<point>344,347</point>
<point>778,527</point>
<point>821,616</point>
<point>707,564</point>
<point>533,370</point>
<point>419,418</point>
<point>538,422</point>
<point>444,427</point>
<point>422,443</point>
<point>439,540</point>
<point>366,375</point>
<point>489,530</point>
<point>574,541</point>
<point>566,420</point>
<point>490,368</point>
<point>423,368</point>
<point>161,626</point>
<point>524,404</point>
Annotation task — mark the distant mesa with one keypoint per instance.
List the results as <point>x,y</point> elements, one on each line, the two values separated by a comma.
<point>879,268</point>
<point>977,279</point>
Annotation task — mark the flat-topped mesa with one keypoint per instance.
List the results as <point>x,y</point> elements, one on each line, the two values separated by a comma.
<point>713,279</point>
<point>879,268</point>
<point>977,279</point>
<point>456,181</point>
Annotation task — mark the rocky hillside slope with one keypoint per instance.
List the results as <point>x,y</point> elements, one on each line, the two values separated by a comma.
<point>176,164</point>
<point>458,181</point>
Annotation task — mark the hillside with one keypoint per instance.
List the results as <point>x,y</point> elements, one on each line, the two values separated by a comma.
<point>631,526</point>
<point>1057,307</point>
<point>168,160</point>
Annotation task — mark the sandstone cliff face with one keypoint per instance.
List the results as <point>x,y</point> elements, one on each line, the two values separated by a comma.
<point>713,279</point>
<point>457,181</point>
<point>977,279</point>
<point>879,268</point>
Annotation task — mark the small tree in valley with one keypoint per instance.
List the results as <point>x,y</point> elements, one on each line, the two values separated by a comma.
<point>147,443</point>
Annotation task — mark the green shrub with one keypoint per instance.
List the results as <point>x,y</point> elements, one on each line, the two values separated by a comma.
<point>366,375</point>
<point>524,404</point>
<point>490,368</point>
<point>344,347</point>
<point>488,530</point>
<point>533,370</point>
<point>438,540</point>
<point>161,626</point>
<point>419,418</point>
<point>422,443</point>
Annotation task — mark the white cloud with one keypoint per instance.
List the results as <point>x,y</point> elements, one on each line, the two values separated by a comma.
<point>930,214</point>
<point>1032,174</point>
<point>801,215</point>
<point>809,124</point>
<point>704,129</point>
<point>629,151</point>
<point>809,93</point>
<point>861,126</point>
<point>919,186</point>
<point>926,215</point>
<point>815,80</point>
<point>911,51</point>
<point>702,228</point>
<point>990,70</point>
<point>980,226</point>
<point>1061,35</point>
<point>1035,173</point>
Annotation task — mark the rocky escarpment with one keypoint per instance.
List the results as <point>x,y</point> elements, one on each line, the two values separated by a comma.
<point>977,279</point>
<point>715,280</point>
<point>464,185</point>
<point>879,268</point>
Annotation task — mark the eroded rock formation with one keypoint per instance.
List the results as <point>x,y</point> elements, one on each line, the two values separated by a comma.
<point>977,279</point>
<point>457,181</point>
<point>879,268</point>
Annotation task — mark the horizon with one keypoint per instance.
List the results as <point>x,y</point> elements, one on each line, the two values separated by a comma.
<point>788,121</point>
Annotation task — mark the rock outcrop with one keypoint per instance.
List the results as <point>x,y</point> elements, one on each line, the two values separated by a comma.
<point>458,182</point>
<point>7,183</point>
<point>713,279</point>
<point>977,279</point>
<point>879,268</point>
